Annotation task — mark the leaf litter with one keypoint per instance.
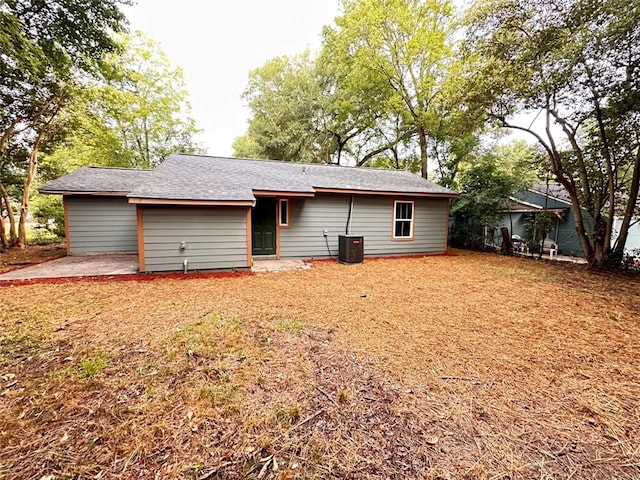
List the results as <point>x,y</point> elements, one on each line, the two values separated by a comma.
<point>461,366</point>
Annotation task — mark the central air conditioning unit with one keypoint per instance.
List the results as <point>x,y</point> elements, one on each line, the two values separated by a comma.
<point>350,249</point>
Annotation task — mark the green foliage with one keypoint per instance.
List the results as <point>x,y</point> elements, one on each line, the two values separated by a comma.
<point>383,91</point>
<point>575,65</point>
<point>90,367</point>
<point>537,227</point>
<point>48,213</point>
<point>283,98</point>
<point>485,185</point>
<point>411,164</point>
<point>484,189</point>
<point>49,49</point>
<point>133,115</point>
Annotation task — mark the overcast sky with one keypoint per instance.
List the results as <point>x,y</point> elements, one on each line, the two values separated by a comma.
<point>218,42</point>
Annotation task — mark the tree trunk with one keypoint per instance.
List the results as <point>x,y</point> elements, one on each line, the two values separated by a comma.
<point>599,243</point>
<point>4,242</point>
<point>422,138</point>
<point>589,251</point>
<point>32,169</point>
<point>13,235</point>
<point>630,208</point>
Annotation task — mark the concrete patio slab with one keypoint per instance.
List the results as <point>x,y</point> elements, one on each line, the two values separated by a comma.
<point>78,266</point>
<point>264,266</point>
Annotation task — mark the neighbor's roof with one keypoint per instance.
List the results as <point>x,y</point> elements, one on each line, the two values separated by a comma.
<point>555,190</point>
<point>518,206</point>
<point>203,178</point>
<point>97,180</point>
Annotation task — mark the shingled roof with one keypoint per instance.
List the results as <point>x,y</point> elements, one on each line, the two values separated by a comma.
<point>97,180</point>
<point>203,178</point>
<point>554,190</point>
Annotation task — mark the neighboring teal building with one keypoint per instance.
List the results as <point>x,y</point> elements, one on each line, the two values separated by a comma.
<point>523,206</point>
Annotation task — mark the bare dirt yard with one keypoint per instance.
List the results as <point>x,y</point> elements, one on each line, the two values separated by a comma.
<point>460,366</point>
<point>22,257</point>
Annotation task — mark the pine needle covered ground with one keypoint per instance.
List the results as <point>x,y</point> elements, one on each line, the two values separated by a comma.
<point>463,366</point>
<point>22,257</point>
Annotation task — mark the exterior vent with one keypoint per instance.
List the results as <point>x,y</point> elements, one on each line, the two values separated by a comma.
<point>350,249</point>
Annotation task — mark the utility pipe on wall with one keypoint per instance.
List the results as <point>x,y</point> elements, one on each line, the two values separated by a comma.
<point>348,229</point>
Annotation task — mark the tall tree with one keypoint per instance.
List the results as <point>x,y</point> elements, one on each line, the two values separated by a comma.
<point>317,110</point>
<point>284,98</point>
<point>46,48</point>
<point>403,46</point>
<point>485,184</point>
<point>383,90</point>
<point>575,64</point>
<point>133,114</point>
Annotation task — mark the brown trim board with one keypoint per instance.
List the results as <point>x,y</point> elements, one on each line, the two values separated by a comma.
<point>388,194</point>
<point>249,241</point>
<point>446,229</point>
<point>67,235</point>
<point>140,225</point>
<point>220,203</point>
<point>277,193</point>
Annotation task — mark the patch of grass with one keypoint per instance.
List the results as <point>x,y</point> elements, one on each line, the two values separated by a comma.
<point>223,375</point>
<point>343,395</point>
<point>90,367</point>
<point>17,343</point>
<point>287,324</point>
<point>209,337</point>
<point>289,414</point>
<point>218,395</point>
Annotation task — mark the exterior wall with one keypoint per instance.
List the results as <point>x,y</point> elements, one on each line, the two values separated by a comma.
<point>216,238</point>
<point>372,217</point>
<point>100,225</point>
<point>519,222</point>
<point>564,233</point>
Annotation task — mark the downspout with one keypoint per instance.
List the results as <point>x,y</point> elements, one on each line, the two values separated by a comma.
<point>185,266</point>
<point>348,228</point>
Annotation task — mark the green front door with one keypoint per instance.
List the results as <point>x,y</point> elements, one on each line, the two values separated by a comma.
<point>263,224</point>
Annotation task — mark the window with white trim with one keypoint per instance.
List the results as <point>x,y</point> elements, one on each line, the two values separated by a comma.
<point>284,212</point>
<point>403,220</point>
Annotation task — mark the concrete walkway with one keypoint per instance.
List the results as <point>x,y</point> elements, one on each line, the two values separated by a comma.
<point>78,266</point>
<point>119,264</point>
<point>555,258</point>
<point>264,266</point>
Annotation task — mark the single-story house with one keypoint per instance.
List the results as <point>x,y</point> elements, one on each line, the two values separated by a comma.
<point>523,206</point>
<point>222,213</point>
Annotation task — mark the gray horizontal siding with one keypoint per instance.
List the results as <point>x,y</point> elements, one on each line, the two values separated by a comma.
<point>308,218</point>
<point>101,225</point>
<point>216,238</point>
<point>371,218</point>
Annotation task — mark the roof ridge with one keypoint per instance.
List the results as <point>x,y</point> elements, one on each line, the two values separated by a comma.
<point>129,169</point>
<point>267,160</point>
